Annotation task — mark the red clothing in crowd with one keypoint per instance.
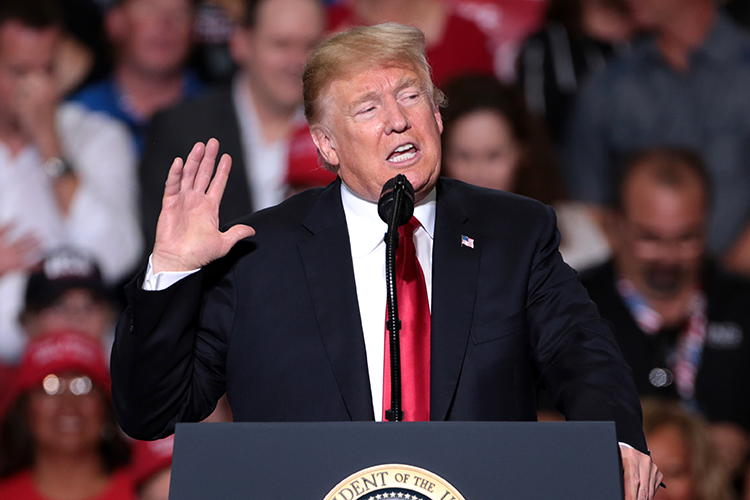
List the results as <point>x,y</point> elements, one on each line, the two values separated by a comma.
<point>20,486</point>
<point>463,48</point>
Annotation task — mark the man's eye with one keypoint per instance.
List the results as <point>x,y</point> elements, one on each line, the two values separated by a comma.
<point>366,110</point>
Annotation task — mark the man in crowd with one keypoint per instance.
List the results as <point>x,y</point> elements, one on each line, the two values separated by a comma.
<point>687,84</point>
<point>151,39</point>
<point>302,303</point>
<point>253,119</point>
<point>66,292</point>
<point>67,176</point>
<point>679,320</point>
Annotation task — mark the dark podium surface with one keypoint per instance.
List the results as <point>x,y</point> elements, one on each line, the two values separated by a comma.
<point>482,460</point>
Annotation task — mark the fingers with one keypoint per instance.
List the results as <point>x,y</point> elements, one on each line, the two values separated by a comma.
<point>26,244</point>
<point>656,479</point>
<point>630,481</point>
<point>206,167</point>
<point>641,477</point>
<point>234,234</point>
<point>216,189</point>
<point>645,479</point>
<point>192,163</point>
<point>174,178</point>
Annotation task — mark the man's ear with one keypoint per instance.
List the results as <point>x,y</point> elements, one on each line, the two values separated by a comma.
<point>438,118</point>
<point>321,136</point>
<point>240,46</point>
<point>115,24</point>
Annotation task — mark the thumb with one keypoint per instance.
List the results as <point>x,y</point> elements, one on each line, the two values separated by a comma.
<point>236,233</point>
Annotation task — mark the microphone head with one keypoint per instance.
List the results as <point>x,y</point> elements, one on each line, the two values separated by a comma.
<point>399,184</point>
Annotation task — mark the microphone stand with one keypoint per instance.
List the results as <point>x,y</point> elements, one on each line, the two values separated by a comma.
<point>395,413</point>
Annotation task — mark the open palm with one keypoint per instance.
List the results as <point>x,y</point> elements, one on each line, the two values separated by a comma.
<point>187,234</point>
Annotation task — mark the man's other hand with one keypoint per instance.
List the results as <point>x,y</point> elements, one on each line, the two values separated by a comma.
<point>187,234</point>
<point>17,254</point>
<point>641,477</point>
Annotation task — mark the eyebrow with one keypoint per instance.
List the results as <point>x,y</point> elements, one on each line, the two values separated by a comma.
<point>374,94</point>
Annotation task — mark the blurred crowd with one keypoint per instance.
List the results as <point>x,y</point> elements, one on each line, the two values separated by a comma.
<point>630,117</point>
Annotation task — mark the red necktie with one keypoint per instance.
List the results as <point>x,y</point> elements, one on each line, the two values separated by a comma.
<point>414,312</point>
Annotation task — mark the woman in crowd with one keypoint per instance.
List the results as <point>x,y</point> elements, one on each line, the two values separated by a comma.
<point>490,139</point>
<point>681,445</point>
<point>59,438</point>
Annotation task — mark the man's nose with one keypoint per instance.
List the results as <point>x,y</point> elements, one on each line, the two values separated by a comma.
<point>396,120</point>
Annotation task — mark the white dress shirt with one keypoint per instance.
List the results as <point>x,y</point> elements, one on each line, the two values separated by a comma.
<point>103,216</point>
<point>265,162</point>
<point>366,238</point>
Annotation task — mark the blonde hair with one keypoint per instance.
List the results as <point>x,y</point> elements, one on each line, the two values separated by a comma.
<point>709,474</point>
<point>360,48</point>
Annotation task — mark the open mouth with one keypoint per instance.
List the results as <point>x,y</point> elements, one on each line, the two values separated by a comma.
<point>403,153</point>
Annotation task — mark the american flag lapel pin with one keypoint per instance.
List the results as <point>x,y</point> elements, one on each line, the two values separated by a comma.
<point>466,241</point>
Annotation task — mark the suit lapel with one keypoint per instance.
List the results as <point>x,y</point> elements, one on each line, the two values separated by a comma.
<point>455,274</point>
<point>327,260</point>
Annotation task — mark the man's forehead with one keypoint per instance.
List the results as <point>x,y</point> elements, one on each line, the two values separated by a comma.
<point>373,82</point>
<point>272,16</point>
<point>15,35</point>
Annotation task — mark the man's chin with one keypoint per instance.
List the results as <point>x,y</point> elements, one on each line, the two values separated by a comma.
<point>666,284</point>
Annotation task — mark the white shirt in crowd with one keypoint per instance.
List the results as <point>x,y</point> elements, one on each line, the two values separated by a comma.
<point>265,162</point>
<point>103,217</point>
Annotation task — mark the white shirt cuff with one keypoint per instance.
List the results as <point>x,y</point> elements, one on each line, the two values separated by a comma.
<point>161,281</point>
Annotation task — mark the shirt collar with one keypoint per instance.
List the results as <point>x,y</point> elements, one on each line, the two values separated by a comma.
<point>367,229</point>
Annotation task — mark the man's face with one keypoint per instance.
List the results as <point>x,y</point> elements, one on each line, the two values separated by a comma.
<point>25,53</point>
<point>152,35</point>
<point>77,309</point>
<point>654,13</point>
<point>663,231</point>
<point>377,124</point>
<point>276,48</point>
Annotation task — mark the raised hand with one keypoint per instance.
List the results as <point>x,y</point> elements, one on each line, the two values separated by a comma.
<point>187,234</point>
<point>16,255</point>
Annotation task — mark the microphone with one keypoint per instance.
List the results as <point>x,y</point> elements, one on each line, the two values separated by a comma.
<point>397,196</point>
<point>395,207</point>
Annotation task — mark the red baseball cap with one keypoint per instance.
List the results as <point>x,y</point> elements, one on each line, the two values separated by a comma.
<point>58,352</point>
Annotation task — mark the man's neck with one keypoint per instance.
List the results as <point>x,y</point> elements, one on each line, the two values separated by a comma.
<point>275,120</point>
<point>686,31</point>
<point>675,308</point>
<point>148,92</point>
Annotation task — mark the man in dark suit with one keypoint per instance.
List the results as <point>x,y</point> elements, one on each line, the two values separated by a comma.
<point>681,322</point>
<point>253,118</point>
<point>290,320</point>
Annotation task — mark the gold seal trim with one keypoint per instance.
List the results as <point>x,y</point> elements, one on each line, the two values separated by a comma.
<point>394,481</point>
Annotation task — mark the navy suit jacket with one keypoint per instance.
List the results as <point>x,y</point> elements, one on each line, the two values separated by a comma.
<point>276,324</point>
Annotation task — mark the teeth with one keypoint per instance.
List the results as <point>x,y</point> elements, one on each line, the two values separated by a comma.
<point>404,147</point>
<point>403,157</point>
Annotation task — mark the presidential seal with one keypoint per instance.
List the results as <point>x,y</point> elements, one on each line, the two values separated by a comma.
<point>394,482</point>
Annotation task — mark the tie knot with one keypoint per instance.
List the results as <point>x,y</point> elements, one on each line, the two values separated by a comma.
<point>409,228</point>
